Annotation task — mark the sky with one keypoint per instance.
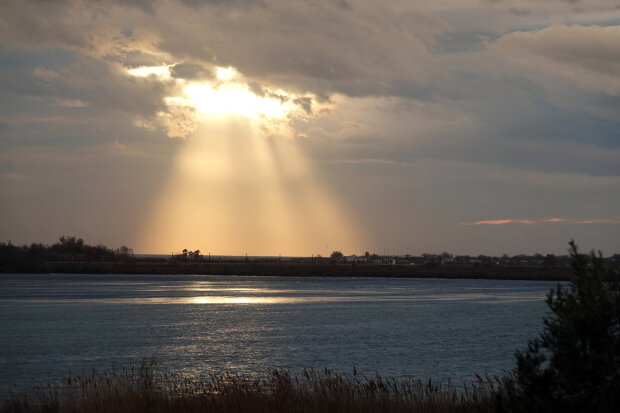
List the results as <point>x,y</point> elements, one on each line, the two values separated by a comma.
<point>293,127</point>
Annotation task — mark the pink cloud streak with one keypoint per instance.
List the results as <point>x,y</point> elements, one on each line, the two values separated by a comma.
<point>599,221</point>
<point>544,221</point>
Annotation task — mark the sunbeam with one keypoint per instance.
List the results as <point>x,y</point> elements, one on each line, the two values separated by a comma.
<point>231,192</point>
<point>240,183</point>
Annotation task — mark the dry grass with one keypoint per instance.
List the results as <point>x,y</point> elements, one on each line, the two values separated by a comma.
<point>145,389</point>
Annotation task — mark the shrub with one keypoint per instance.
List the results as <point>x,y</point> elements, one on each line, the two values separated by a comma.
<point>574,365</point>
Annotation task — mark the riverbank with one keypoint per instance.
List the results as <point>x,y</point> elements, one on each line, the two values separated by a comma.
<point>296,269</point>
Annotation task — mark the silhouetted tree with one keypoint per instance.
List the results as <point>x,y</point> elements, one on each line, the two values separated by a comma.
<point>336,256</point>
<point>549,260</point>
<point>69,245</point>
<point>574,366</point>
<point>124,250</point>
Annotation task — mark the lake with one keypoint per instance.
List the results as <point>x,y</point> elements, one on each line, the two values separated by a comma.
<point>50,324</point>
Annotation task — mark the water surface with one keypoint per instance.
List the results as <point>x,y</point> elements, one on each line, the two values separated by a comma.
<point>50,324</point>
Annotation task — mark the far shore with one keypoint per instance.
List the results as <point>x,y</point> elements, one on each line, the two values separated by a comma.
<point>297,269</point>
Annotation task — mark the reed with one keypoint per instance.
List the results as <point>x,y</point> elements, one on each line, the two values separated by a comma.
<point>146,389</point>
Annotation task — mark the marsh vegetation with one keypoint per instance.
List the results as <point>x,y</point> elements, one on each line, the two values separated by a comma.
<point>145,389</point>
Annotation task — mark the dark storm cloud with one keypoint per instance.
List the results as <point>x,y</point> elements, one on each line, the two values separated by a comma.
<point>360,50</point>
<point>102,85</point>
<point>315,46</point>
<point>72,104</point>
<point>39,25</point>
<point>110,87</point>
<point>87,27</point>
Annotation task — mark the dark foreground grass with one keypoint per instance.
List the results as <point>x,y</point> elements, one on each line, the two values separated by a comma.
<point>144,389</point>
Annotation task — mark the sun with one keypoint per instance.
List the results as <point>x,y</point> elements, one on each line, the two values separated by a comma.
<point>233,99</point>
<point>226,94</point>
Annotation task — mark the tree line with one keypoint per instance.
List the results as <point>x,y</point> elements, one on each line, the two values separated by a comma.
<point>67,248</point>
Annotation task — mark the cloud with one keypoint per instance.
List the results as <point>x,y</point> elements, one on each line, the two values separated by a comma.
<point>108,85</point>
<point>227,3</point>
<point>305,102</point>
<point>8,169</point>
<point>434,111</point>
<point>520,11</point>
<point>591,48</point>
<point>600,221</point>
<point>178,121</point>
<point>314,47</point>
<point>99,29</point>
<point>501,222</point>
<point>587,56</point>
<point>544,221</point>
<point>70,103</point>
<point>191,71</point>
<point>75,103</point>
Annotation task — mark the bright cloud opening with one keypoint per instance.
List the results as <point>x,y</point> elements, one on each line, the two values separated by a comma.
<point>224,73</point>
<point>271,111</point>
<point>145,71</point>
<point>234,99</point>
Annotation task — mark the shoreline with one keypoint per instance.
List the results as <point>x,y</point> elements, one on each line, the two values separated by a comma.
<point>292,269</point>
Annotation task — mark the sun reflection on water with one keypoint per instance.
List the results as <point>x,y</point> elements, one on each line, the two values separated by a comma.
<point>242,300</point>
<point>265,299</point>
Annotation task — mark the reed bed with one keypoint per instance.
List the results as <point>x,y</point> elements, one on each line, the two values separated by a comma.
<point>146,389</point>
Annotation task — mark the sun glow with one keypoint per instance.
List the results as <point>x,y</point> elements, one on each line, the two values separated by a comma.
<point>233,191</point>
<point>228,94</point>
<point>235,99</point>
<point>237,184</point>
<point>224,73</point>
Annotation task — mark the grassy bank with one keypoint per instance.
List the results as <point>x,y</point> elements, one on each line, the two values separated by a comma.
<point>144,389</point>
